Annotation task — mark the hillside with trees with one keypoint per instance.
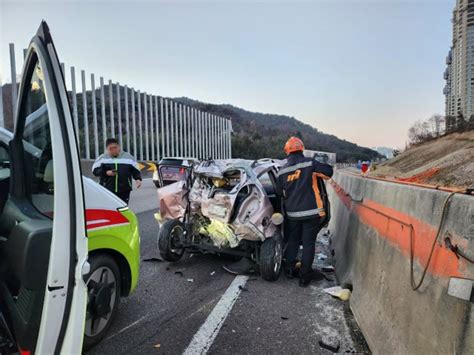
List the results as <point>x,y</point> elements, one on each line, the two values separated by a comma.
<point>440,152</point>
<point>437,126</point>
<point>257,135</point>
<point>445,161</point>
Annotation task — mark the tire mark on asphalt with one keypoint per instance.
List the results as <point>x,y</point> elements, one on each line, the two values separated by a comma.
<point>124,329</point>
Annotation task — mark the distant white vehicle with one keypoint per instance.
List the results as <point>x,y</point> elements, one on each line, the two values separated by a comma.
<point>322,157</point>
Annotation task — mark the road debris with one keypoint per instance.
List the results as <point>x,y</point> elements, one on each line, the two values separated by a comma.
<point>213,273</point>
<point>331,348</point>
<point>318,275</point>
<point>155,260</point>
<point>243,288</point>
<point>328,268</point>
<point>180,273</point>
<point>337,291</point>
<point>244,266</point>
<point>190,280</point>
<point>284,318</point>
<point>157,346</point>
<point>322,256</point>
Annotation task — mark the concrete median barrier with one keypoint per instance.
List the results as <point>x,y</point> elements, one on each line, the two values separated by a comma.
<point>384,235</point>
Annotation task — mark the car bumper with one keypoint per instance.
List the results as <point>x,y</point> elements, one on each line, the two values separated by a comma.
<point>121,239</point>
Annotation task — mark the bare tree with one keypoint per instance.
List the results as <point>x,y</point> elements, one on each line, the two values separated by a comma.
<point>424,130</point>
<point>437,125</point>
<point>450,124</point>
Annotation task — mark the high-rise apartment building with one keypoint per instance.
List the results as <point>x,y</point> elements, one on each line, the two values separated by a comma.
<point>459,74</point>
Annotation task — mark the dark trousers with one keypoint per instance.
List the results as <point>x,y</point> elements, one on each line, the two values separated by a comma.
<point>302,232</point>
<point>124,195</point>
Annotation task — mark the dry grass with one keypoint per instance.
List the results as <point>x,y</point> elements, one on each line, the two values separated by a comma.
<point>453,155</point>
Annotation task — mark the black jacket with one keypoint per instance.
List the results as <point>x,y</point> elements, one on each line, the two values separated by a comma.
<point>301,181</point>
<point>126,168</point>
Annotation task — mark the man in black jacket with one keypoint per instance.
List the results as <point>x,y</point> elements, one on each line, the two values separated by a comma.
<point>306,206</point>
<point>116,170</point>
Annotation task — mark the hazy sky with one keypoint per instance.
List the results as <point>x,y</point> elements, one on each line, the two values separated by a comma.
<point>362,70</point>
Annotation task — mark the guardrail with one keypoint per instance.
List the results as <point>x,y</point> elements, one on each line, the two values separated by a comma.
<point>148,126</point>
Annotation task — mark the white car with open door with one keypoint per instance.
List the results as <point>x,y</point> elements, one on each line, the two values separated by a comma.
<point>43,245</point>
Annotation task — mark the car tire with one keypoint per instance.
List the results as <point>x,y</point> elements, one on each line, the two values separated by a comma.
<point>167,246</point>
<point>271,256</point>
<point>157,183</point>
<point>103,291</point>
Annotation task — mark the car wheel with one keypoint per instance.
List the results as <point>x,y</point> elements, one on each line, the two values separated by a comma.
<point>271,255</point>
<point>169,240</point>
<point>157,183</point>
<point>103,291</point>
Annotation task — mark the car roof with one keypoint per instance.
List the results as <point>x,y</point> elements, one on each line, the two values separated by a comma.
<point>177,161</point>
<point>179,158</point>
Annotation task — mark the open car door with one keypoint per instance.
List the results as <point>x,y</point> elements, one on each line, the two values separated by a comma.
<point>43,246</point>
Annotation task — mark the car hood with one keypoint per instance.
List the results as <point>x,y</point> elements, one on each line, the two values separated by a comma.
<point>98,197</point>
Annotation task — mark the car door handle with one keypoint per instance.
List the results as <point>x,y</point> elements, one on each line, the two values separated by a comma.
<point>54,288</point>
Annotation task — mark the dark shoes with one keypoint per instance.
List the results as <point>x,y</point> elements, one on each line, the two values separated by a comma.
<point>304,282</point>
<point>313,275</point>
<point>292,272</point>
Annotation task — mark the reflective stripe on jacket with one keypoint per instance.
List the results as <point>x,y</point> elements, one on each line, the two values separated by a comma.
<point>126,167</point>
<point>301,181</point>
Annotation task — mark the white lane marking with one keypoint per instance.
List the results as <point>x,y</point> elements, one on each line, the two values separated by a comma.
<point>124,329</point>
<point>208,331</point>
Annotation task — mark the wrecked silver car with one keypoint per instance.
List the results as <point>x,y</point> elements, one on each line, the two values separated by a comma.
<point>225,206</point>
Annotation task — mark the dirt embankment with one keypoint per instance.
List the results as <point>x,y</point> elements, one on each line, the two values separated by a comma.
<point>447,161</point>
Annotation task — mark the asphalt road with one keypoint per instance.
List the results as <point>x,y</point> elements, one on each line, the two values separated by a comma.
<point>194,304</point>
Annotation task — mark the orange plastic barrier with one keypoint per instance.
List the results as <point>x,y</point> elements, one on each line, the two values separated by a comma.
<point>421,177</point>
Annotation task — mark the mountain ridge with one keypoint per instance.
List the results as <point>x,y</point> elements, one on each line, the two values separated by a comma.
<point>258,135</point>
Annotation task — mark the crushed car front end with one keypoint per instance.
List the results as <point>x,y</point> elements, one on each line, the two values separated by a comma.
<point>223,207</point>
